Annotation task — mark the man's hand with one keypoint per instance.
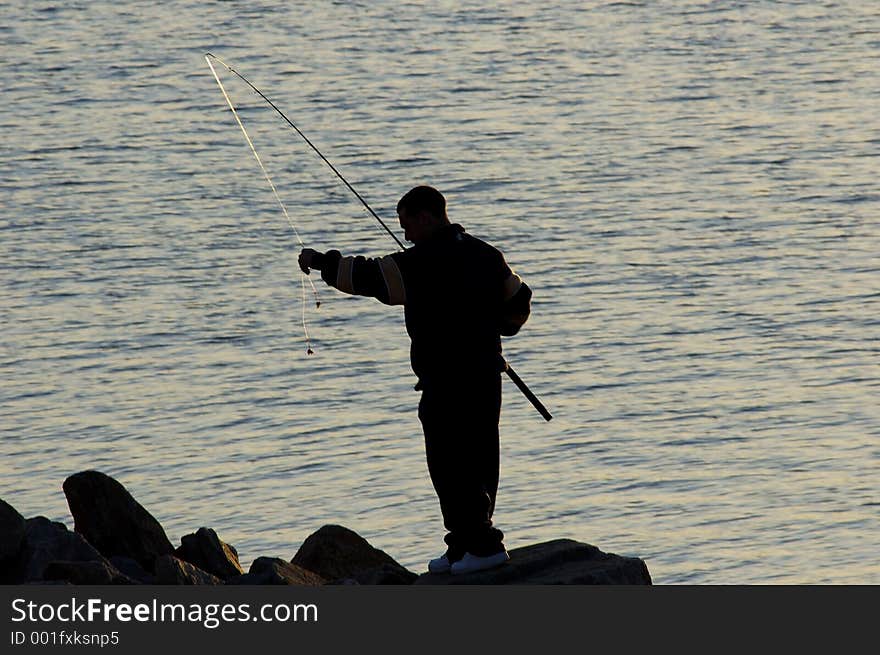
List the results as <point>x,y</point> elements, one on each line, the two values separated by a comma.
<point>306,259</point>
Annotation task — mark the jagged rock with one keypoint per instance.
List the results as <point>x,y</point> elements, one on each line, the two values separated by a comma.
<point>85,573</point>
<point>561,561</point>
<point>112,520</point>
<point>12,529</point>
<point>337,553</point>
<point>388,574</point>
<point>205,550</point>
<point>48,541</point>
<point>12,571</point>
<point>130,567</point>
<point>173,571</point>
<point>275,571</point>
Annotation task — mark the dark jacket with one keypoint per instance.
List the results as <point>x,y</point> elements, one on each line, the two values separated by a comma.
<point>459,297</point>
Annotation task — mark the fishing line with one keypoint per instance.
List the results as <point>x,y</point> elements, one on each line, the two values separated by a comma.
<point>290,222</point>
<point>310,144</point>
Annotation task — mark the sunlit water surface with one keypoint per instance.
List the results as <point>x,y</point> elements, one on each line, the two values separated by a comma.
<point>690,188</point>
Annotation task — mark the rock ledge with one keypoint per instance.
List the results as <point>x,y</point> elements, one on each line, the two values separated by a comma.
<point>117,541</point>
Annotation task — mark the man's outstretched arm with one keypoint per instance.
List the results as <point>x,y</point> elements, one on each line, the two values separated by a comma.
<point>361,276</point>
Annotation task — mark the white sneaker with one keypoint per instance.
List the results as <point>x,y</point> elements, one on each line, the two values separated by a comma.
<point>439,565</point>
<point>471,563</point>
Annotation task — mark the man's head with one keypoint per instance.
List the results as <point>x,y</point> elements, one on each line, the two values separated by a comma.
<point>421,210</point>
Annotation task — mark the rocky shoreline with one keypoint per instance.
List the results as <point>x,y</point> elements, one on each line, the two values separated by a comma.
<point>116,541</point>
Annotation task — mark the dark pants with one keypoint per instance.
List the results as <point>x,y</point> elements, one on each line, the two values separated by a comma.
<point>460,422</point>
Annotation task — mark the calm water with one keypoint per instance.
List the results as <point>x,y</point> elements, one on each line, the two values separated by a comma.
<point>690,188</point>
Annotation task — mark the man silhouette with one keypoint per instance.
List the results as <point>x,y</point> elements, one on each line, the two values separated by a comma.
<point>459,297</point>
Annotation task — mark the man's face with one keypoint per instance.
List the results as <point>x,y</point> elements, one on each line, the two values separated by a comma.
<point>412,224</point>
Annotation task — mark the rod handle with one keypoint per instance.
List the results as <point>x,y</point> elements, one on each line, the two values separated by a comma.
<point>532,398</point>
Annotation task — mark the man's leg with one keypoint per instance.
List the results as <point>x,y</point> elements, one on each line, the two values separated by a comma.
<point>461,442</point>
<point>485,414</point>
<point>440,450</point>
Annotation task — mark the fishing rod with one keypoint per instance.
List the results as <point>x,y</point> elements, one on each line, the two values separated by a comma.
<point>310,144</point>
<point>538,405</point>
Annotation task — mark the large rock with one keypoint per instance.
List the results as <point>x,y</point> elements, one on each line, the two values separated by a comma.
<point>85,573</point>
<point>337,553</point>
<point>12,527</point>
<point>205,550</point>
<point>387,574</point>
<point>275,571</point>
<point>173,571</point>
<point>113,521</point>
<point>131,569</point>
<point>48,541</point>
<point>557,562</point>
